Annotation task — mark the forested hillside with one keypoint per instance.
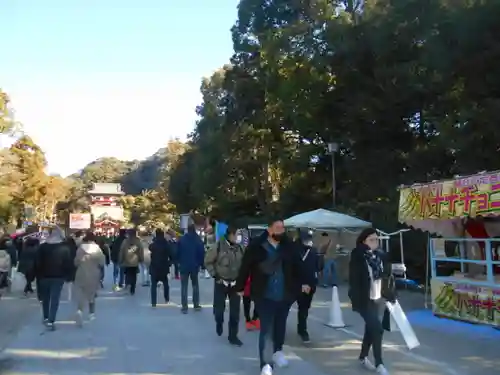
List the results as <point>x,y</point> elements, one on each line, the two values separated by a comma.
<point>143,181</point>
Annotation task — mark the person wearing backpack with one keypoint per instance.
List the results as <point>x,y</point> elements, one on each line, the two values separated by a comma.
<point>131,255</point>
<point>223,263</point>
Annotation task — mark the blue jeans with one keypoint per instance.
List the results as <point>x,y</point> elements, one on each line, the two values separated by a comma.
<point>145,277</point>
<point>118,271</point>
<point>51,295</point>
<point>273,316</point>
<point>329,273</point>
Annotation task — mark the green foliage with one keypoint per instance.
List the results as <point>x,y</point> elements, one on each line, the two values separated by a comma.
<point>150,209</point>
<point>407,88</point>
<point>6,120</point>
<point>24,183</point>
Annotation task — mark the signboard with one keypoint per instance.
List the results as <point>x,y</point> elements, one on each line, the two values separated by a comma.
<point>466,302</point>
<point>80,221</point>
<point>469,196</point>
<point>114,213</point>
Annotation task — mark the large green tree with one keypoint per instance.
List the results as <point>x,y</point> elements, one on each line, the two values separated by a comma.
<point>407,88</point>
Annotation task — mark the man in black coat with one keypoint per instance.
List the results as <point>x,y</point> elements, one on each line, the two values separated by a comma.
<point>161,259</point>
<point>273,263</point>
<point>53,266</point>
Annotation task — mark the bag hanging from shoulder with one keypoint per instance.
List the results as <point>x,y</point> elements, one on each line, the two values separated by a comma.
<point>271,265</point>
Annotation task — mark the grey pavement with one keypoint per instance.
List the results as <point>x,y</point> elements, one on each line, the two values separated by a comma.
<point>443,351</point>
<point>14,311</point>
<point>130,337</point>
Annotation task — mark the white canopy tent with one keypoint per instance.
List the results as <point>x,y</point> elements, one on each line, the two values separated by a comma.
<point>325,219</point>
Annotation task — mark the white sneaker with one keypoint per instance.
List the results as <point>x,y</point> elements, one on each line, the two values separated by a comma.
<point>365,362</point>
<point>79,318</point>
<point>91,317</point>
<point>279,359</point>
<point>381,370</point>
<point>266,370</point>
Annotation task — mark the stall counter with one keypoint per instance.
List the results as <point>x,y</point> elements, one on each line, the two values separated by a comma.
<point>465,299</point>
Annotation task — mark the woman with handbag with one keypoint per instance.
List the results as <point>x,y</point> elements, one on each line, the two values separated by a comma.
<point>367,275</point>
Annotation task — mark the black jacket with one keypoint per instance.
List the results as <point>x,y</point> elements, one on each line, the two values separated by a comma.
<point>105,249</point>
<point>54,260</point>
<point>115,248</point>
<point>27,257</point>
<point>312,265</point>
<point>71,243</point>
<point>359,280</point>
<point>161,257</point>
<point>255,254</point>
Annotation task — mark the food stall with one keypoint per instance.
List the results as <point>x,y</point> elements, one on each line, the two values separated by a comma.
<point>464,216</point>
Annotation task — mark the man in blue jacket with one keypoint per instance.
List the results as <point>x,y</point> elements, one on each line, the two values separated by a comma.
<point>311,267</point>
<point>190,255</point>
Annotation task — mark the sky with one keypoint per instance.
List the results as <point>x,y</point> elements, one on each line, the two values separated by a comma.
<point>96,78</point>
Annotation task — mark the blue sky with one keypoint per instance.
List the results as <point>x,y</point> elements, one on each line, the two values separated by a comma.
<point>93,78</point>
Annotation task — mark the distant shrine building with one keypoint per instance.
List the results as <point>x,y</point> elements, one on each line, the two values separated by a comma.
<point>106,209</point>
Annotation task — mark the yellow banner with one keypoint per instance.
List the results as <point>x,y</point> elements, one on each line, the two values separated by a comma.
<point>463,301</point>
<point>469,196</point>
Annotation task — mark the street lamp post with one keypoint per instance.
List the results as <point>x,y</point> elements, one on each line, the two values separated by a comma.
<point>332,149</point>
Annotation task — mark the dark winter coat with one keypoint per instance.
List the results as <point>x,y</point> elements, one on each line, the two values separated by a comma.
<point>252,266</point>
<point>161,257</point>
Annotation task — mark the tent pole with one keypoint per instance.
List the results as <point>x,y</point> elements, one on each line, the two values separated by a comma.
<point>401,248</point>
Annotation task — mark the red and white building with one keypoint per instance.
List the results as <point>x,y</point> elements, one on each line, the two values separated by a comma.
<point>106,209</point>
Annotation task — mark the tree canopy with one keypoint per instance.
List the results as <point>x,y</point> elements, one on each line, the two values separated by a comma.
<point>407,89</point>
<point>25,186</point>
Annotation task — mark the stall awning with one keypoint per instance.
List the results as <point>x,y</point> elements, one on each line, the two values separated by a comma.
<point>438,206</point>
<point>325,219</point>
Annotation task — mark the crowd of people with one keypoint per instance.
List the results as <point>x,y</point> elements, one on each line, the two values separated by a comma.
<point>271,273</point>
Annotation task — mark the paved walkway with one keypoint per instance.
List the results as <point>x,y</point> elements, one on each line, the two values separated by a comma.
<point>130,337</point>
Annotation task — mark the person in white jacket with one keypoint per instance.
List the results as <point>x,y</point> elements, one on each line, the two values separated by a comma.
<point>88,261</point>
